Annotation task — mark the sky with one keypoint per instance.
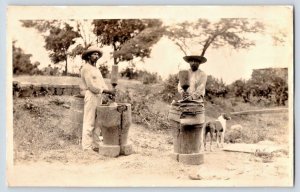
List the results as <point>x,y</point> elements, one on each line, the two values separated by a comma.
<point>166,58</point>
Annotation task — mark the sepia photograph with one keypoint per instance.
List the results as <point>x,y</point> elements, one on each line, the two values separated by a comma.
<point>150,96</point>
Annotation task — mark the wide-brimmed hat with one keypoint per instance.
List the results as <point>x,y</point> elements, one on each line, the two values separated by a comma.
<point>197,58</point>
<point>91,50</point>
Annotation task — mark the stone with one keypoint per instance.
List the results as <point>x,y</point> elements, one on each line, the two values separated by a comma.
<point>109,150</point>
<point>191,159</point>
<point>76,90</point>
<point>50,89</point>
<point>59,89</point>
<point>68,90</point>
<point>174,156</point>
<point>26,90</point>
<point>126,149</point>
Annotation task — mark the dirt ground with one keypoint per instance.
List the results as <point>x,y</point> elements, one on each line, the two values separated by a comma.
<point>46,153</point>
<point>149,165</point>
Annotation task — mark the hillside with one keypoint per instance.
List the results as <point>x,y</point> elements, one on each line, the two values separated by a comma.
<point>45,142</point>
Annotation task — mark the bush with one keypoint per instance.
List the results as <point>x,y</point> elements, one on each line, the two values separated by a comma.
<point>144,76</point>
<point>104,70</point>
<point>22,63</point>
<point>215,88</point>
<point>266,87</point>
<point>129,72</point>
<point>149,78</point>
<point>53,71</point>
<point>141,101</point>
<point>170,89</point>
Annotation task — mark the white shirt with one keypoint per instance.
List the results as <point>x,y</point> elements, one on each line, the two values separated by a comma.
<point>92,79</point>
<point>197,84</point>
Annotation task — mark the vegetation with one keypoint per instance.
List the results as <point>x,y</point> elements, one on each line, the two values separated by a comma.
<point>58,42</point>
<point>104,70</point>
<point>266,87</point>
<point>22,63</point>
<point>226,31</point>
<point>129,37</point>
<point>144,76</point>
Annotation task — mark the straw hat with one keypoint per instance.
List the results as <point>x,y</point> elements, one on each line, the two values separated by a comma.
<point>194,57</point>
<point>90,50</point>
<point>190,58</point>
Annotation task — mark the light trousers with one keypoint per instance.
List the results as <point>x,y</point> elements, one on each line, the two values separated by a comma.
<point>91,101</point>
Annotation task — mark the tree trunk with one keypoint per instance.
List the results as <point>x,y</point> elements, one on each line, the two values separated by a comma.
<point>66,67</point>
<point>115,49</point>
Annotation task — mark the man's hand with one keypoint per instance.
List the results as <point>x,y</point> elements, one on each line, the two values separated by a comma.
<point>188,98</point>
<point>185,95</point>
<point>109,92</point>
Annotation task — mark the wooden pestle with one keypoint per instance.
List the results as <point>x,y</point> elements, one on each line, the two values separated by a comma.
<point>114,75</point>
<point>184,79</point>
<point>114,80</point>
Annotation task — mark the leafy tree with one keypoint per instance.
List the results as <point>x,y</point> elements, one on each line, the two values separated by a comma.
<point>86,36</point>
<point>58,42</point>
<point>140,46</point>
<point>129,72</point>
<point>117,32</point>
<point>104,70</point>
<point>170,89</point>
<point>270,83</point>
<point>59,36</point>
<point>215,88</point>
<point>22,63</point>
<point>226,31</point>
<point>237,87</point>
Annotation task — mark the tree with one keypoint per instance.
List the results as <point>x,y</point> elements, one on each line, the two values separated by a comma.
<point>129,72</point>
<point>118,32</point>
<point>215,88</point>
<point>170,89</point>
<point>270,83</point>
<point>226,31</point>
<point>59,36</point>
<point>238,87</point>
<point>58,42</point>
<point>104,70</point>
<point>140,45</point>
<point>22,63</point>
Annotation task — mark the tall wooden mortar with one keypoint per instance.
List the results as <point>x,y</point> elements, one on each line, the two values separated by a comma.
<point>187,119</point>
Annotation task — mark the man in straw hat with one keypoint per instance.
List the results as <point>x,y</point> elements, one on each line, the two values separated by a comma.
<point>93,86</point>
<point>196,90</point>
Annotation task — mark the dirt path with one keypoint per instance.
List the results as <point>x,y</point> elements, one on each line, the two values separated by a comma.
<point>150,165</point>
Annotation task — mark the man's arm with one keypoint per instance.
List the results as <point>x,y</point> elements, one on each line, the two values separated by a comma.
<point>91,81</point>
<point>200,89</point>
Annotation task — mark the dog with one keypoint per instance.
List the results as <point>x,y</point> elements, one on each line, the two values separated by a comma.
<point>217,127</point>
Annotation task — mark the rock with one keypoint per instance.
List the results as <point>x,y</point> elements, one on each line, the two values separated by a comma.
<point>126,149</point>
<point>67,106</point>
<point>195,177</point>
<point>174,156</point>
<point>191,159</point>
<point>109,150</point>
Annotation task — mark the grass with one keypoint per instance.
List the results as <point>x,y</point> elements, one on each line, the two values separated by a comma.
<point>273,127</point>
<point>41,125</point>
<point>67,80</point>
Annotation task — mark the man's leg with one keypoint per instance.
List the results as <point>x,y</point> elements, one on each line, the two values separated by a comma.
<point>90,105</point>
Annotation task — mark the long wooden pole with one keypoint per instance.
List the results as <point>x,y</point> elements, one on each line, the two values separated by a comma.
<point>260,111</point>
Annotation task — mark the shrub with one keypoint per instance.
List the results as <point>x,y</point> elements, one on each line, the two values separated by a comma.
<point>170,89</point>
<point>215,88</point>
<point>104,70</point>
<point>22,62</point>
<point>149,78</point>
<point>129,72</point>
<point>141,101</point>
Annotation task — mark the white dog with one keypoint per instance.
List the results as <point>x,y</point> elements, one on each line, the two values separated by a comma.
<point>218,127</point>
